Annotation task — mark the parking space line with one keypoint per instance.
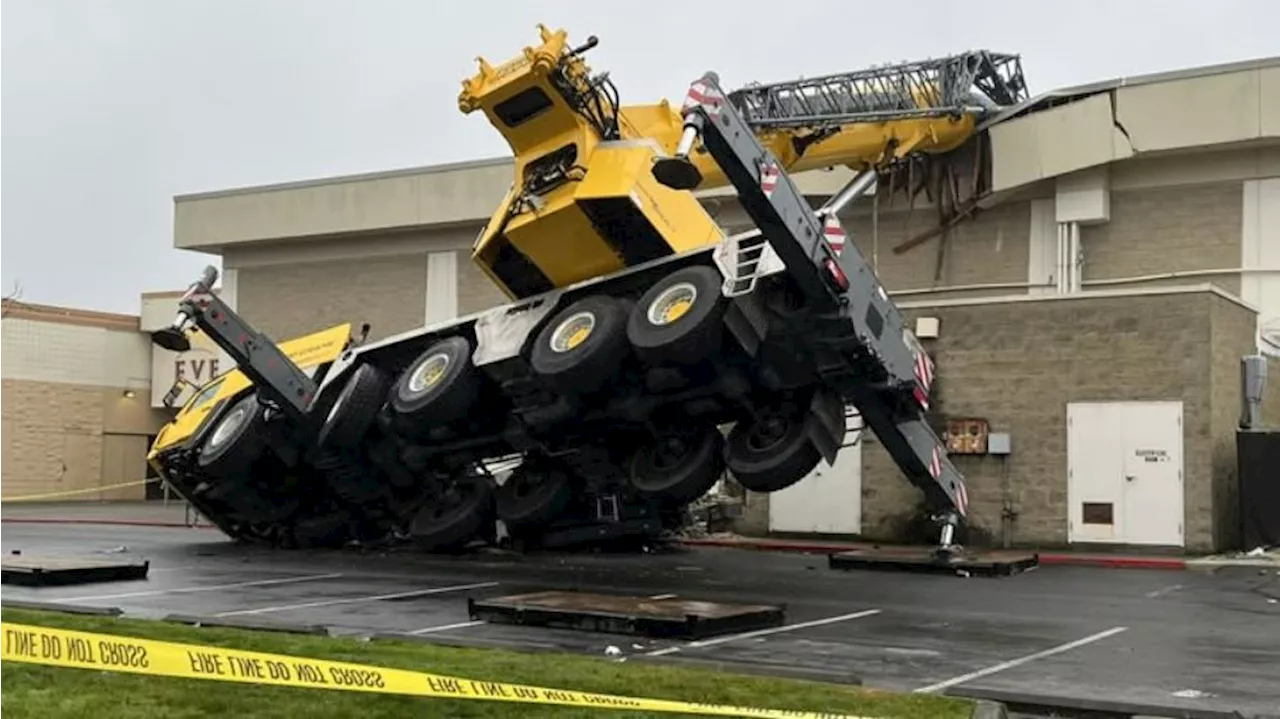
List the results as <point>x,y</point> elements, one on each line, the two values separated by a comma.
<point>1020,661</point>
<point>354,600</point>
<point>445,627</point>
<point>762,632</point>
<point>1161,592</point>
<point>206,588</point>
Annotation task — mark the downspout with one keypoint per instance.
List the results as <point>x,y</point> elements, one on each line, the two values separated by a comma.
<point>1075,259</point>
<point>1060,271</point>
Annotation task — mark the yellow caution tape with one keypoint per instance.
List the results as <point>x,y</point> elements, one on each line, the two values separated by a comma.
<point>73,492</point>
<point>131,655</point>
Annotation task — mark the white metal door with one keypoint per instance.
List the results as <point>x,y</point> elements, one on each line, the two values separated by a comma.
<point>1153,488</point>
<point>827,501</point>
<point>1094,453</point>
<point>1124,472</point>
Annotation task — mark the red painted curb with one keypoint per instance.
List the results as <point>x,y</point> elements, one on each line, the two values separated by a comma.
<point>1091,560</point>
<point>1115,562</point>
<point>116,522</point>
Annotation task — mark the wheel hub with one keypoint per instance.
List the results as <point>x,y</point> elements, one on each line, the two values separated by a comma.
<point>674,303</point>
<point>572,332</point>
<point>429,373</point>
<point>229,425</point>
<point>767,432</point>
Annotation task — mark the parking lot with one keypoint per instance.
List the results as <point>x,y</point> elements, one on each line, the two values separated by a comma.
<point>1107,638</point>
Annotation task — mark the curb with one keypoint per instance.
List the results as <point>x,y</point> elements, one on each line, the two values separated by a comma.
<point>38,605</point>
<point>987,709</point>
<point>1173,563</point>
<point>1067,705</point>
<point>257,625</point>
<point>1059,558</point>
<point>112,522</point>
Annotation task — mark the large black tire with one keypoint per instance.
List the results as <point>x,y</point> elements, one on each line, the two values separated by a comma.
<point>679,468</point>
<point>580,348</point>
<point>455,517</point>
<point>680,319</point>
<point>440,386</point>
<point>772,452</point>
<point>536,493</point>
<point>354,409</point>
<point>236,440</point>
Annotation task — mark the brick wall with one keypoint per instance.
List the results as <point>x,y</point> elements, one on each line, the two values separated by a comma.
<point>53,439</point>
<point>1018,364</point>
<point>1168,229</point>
<point>992,247</point>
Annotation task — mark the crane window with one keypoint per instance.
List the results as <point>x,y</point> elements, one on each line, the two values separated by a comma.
<point>522,106</point>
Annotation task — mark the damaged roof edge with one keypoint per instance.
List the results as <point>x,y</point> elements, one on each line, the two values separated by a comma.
<point>1094,88</point>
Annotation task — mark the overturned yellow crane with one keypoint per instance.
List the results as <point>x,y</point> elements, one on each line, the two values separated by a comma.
<point>637,337</point>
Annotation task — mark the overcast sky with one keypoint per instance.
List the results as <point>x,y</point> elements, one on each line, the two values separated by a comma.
<point>111,107</point>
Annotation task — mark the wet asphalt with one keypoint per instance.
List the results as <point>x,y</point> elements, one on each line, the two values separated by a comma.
<point>1192,643</point>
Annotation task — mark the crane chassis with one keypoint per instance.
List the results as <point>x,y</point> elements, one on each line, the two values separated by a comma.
<point>620,398</point>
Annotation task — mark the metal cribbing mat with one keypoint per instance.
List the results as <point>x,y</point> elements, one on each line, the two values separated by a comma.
<point>131,655</point>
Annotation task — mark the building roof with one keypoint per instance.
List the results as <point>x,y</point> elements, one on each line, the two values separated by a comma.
<point>1052,134</point>
<point>14,309</point>
<point>1067,94</point>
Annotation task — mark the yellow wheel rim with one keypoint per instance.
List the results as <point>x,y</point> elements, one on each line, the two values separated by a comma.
<point>572,332</point>
<point>429,373</point>
<point>578,336</point>
<point>676,310</point>
<point>674,303</point>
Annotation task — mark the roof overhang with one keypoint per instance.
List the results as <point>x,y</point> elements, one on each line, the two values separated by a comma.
<point>1072,129</point>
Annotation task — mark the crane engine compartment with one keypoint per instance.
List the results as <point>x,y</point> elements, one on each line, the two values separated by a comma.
<point>644,352</point>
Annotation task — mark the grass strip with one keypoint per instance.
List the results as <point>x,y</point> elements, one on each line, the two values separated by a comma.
<point>51,692</point>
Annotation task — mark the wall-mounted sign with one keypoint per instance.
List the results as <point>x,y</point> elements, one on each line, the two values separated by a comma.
<point>1152,455</point>
<point>966,435</point>
<point>191,369</point>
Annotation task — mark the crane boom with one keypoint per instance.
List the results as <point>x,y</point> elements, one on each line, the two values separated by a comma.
<point>967,83</point>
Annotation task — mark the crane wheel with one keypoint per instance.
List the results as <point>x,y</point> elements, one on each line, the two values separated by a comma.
<point>354,409</point>
<point>236,441</point>
<point>771,452</point>
<point>455,516</point>
<point>440,386</point>
<point>678,320</point>
<point>680,467</point>
<point>580,348</point>
<point>534,494</point>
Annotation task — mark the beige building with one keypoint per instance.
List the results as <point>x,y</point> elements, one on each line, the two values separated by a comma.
<point>1092,309</point>
<point>77,404</point>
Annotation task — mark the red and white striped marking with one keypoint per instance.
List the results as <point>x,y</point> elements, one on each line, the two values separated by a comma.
<point>834,232</point>
<point>700,93</point>
<point>924,379</point>
<point>935,463</point>
<point>769,175</point>
<point>962,498</point>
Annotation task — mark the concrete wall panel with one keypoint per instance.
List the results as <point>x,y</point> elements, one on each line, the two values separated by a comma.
<point>1191,112</point>
<point>290,301</point>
